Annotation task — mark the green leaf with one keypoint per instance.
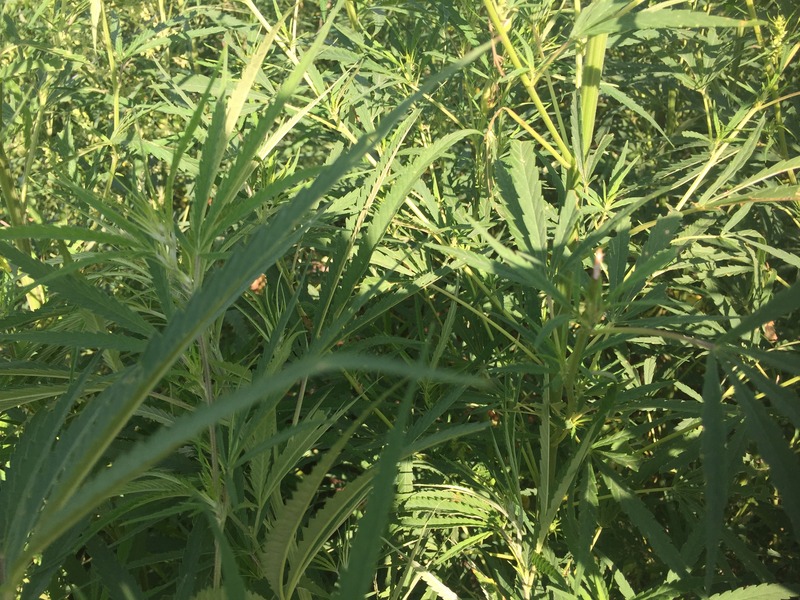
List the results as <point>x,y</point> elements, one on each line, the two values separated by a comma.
<point>157,446</point>
<point>605,16</point>
<point>213,152</point>
<point>367,542</point>
<point>657,252</point>
<point>325,522</point>
<point>78,291</point>
<point>783,303</point>
<point>545,462</point>
<point>740,159</point>
<point>118,581</point>
<point>781,397</point>
<point>644,521</point>
<point>280,545</point>
<point>12,397</point>
<point>588,506</point>
<point>62,232</point>
<point>29,480</point>
<point>564,488</point>
<point>523,205</point>
<point>232,583</point>
<point>764,591</point>
<point>78,339</point>
<point>177,158</point>
<point>784,465</point>
<point>631,104</point>
<point>714,464</point>
<point>96,427</point>
<point>617,257</point>
<point>196,542</point>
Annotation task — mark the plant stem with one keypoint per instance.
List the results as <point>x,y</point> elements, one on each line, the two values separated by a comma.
<point>502,32</point>
<point>216,487</point>
<point>590,88</point>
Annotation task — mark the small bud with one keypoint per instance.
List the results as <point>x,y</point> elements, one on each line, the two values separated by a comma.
<point>598,264</point>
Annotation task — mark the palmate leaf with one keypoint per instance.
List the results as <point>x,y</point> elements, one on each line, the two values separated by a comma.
<point>78,339</point>
<point>737,163</point>
<point>268,474</point>
<point>112,219</point>
<point>388,207</point>
<point>258,145</point>
<point>26,368</point>
<point>445,435</point>
<point>450,501</point>
<point>783,462</point>
<point>565,484</point>
<point>196,542</point>
<point>149,451</point>
<point>430,416</point>
<point>619,222</point>
<point>348,271</point>
<point>62,232</point>
<point>788,362</point>
<point>566,222</point>
<point>545,448</point>
<point>178,159</point>
<point>10,398</point>
<point>74,288</point>
<point>656,254</point>
<point>775,193</point>
<point>764,591</point>
<point>95,428</point>
<point>364,553</point>
<point>644,521</point>
<point>715,464</point>
<point>280,544</point>
<point>210,161</point>
<point>232,581</point>
<point>336,510</point>
<point>783,303</point>
<point>789,258</point>
<point>111,572</point>
<point>782,398</point>
<point>222,127</point>
<point>522,270</point>
<point>606,16</point>
<point>628,102</point>
<point>324,524</point>
<point>27,484</point>
<point>40,577</point>
<point>586,527</point>
<point>522,204</point>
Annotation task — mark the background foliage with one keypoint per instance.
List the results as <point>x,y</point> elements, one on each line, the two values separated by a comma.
<point>400,299</point>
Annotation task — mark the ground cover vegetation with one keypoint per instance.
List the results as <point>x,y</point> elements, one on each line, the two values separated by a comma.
<point>399,299</point>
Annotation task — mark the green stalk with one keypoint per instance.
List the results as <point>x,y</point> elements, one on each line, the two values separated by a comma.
<point>115,93</point>
<point>590,87</point>
<point>217,490</point>
<point>352,14</point>
<point>15,207</point>
<point>770,73</point>
<point>502,31</point>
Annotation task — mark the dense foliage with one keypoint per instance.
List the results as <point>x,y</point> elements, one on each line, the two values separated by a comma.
<point>408,299</point>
